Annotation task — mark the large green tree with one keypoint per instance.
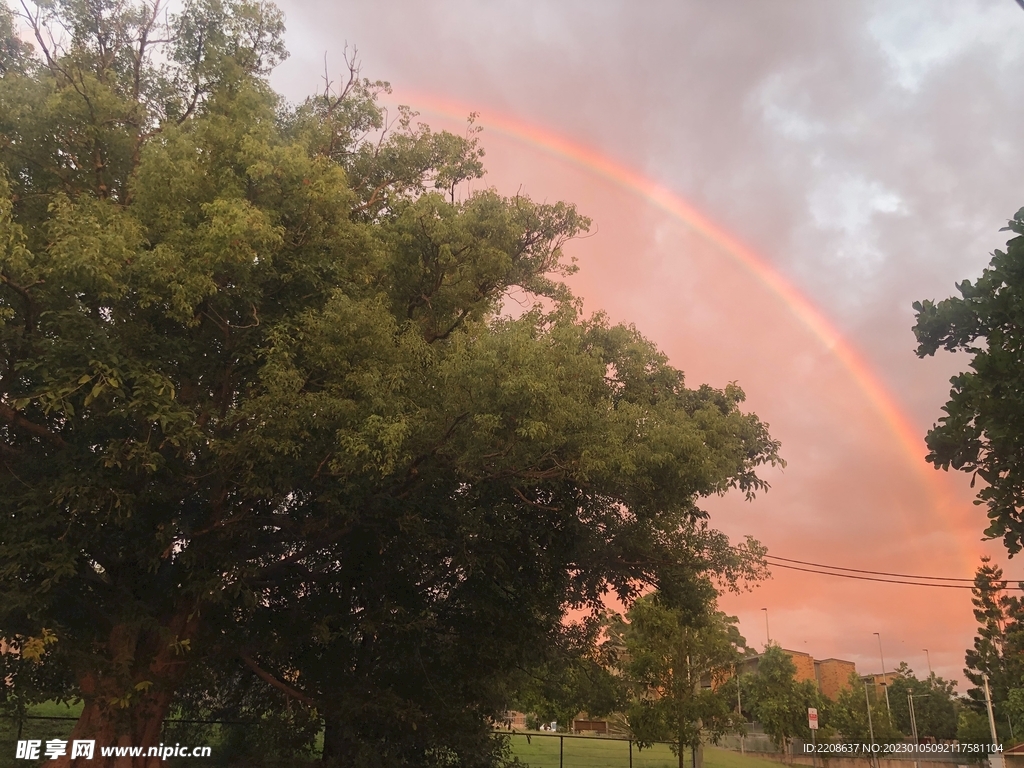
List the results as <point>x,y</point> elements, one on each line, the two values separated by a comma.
<point>982,431</point>
<point>264,429</point>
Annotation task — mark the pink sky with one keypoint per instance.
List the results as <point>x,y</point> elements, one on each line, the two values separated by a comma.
<point>868,153</point>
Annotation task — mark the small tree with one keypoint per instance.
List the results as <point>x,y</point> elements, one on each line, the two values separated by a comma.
<point>777,700</point>
<point>677,669</point>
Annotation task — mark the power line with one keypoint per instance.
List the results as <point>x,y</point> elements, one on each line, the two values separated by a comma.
<point>873,573</point>
<point>860,577</point>
<point>860,574</point>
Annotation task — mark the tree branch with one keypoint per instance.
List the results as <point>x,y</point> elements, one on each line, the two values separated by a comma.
<point>15,419</point>
<point>280,685</point>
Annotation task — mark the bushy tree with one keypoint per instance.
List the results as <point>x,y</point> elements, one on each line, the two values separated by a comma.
<point>982,430</point>
<point>777,699</point>
<point>679,671</point>
<point>934,704</point>
<point>848,715</point>
<point>263,426</point>
<point>973,727</point>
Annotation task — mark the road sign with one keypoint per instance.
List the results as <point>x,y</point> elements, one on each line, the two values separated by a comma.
<point>812,718</point>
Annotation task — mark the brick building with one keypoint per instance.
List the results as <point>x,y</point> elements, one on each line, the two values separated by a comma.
<point>833,675</point>
<point>878,681</point>
<point>830,675</point>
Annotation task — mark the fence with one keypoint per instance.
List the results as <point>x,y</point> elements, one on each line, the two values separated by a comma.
<point>556,750</point>
<point>537,750</point>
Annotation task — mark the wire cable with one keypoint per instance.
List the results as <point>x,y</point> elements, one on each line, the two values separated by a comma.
<point>859,577</point>
<point>873,573</point>
<point>861,574</point>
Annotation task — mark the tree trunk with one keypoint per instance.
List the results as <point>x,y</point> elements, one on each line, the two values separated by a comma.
<point>128,709</point>
<point>341,745</point>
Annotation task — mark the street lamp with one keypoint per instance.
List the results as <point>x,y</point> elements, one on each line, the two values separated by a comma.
<point>913,720</point>
<point>885,680</point>
<point>913,712</point>
<point>767,632</point>
<point>871,728</point>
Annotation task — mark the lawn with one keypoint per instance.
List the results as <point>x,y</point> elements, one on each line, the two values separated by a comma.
<point>535,750</point>
<point>35,729</point>
<point>541,751</point>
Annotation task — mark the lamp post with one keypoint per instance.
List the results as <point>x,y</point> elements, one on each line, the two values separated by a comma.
<point>885,680</point>
<point>871,728</point>
<point>913,721</point>
<point>767,632</point>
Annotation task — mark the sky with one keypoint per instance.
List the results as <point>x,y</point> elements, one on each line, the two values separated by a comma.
<point>847,159</point>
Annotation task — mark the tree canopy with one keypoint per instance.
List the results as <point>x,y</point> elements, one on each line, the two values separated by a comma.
<point>680,673</point>
<point>981,433</point>
<point>934,704</point>
<point>777,700</point>
<point>849,715</point>
<point>264,423</point>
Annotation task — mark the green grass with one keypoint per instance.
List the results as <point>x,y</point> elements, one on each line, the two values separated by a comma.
<point>716,757</point>
<point>537,751</point>
<point>541,751</point>
<point>35,729</point>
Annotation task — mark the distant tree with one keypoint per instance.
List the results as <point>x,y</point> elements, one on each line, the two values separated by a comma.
<point>982,431</point>
<point>15,54</point>
<point>934,704</point>
<point>973,727</point>
<point>678,669</point>
<point>777,700</point>
<point>998,649</point>
<point>571,676</point>
<point>848,715</point>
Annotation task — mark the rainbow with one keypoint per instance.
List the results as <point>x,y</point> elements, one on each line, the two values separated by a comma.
<point>668,201</point>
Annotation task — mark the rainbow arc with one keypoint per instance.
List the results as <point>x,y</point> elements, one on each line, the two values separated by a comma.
<point>665,199</point>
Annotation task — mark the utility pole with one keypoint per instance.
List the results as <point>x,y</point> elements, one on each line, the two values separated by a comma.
<point>767,632</point>
<point>885,681</point>
<point>995,759</point>
<point>871,728</point>
<point>739,708</point>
